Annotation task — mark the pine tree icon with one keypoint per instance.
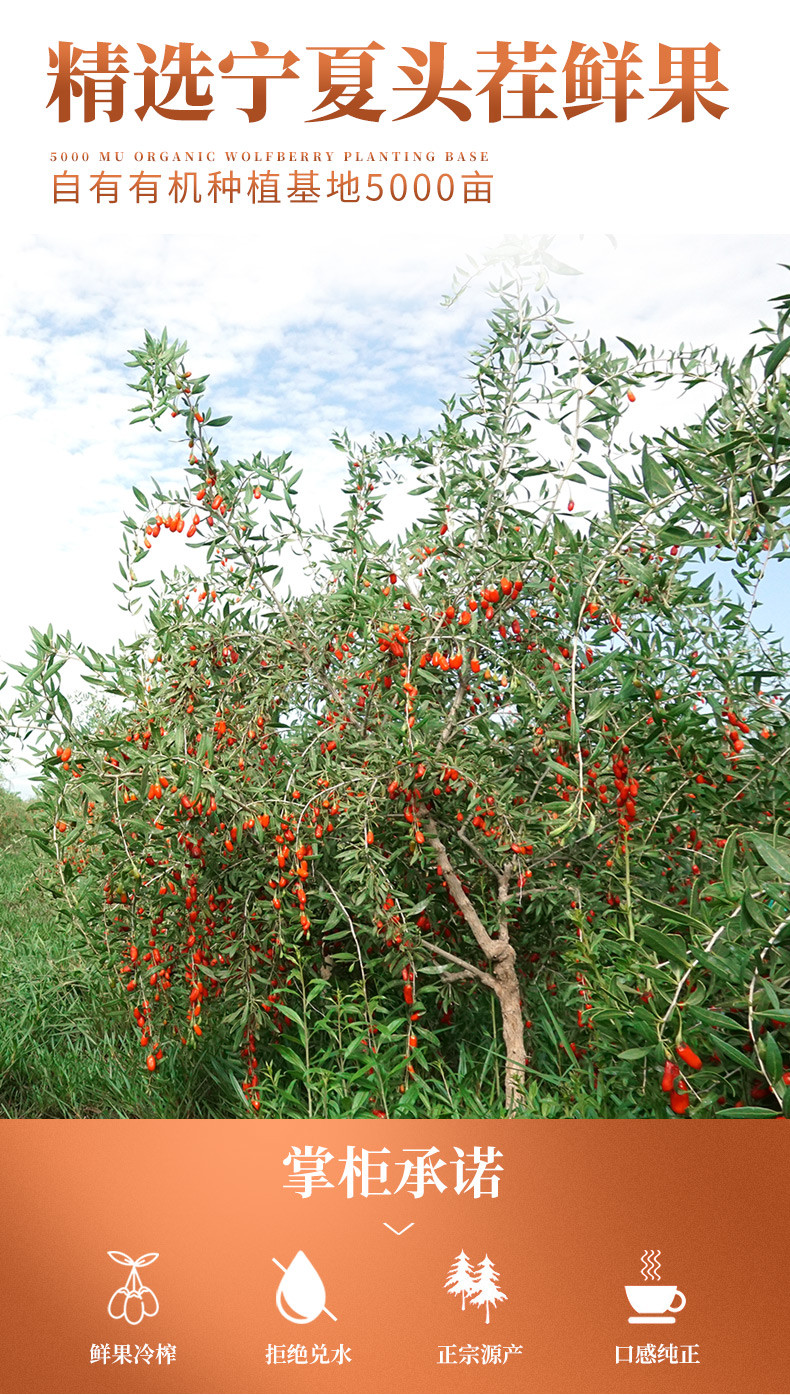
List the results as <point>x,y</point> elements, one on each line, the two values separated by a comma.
<point>461,1278</point>
<point>486,1288</point>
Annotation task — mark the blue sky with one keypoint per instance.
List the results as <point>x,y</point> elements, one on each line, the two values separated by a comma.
<point>297,347</point>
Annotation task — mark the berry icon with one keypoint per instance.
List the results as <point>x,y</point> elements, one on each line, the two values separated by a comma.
<point>133,1301</point>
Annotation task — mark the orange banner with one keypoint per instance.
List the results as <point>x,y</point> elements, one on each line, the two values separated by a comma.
<point>358,1256</point>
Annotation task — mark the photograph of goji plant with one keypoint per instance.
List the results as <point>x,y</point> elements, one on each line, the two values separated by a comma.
<point>471,802</point>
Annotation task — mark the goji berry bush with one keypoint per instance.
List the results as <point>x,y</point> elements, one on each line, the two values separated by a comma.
<point>487,817</point>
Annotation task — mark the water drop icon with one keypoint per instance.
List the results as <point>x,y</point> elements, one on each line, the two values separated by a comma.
<point>301,1296</point>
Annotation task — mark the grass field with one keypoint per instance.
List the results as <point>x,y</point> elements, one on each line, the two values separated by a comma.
<point>67,1048</point>
<point>68,1044</point>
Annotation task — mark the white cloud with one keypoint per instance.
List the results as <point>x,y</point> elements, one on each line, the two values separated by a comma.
<point>297,347</point>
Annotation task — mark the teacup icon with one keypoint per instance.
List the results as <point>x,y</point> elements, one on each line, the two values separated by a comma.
<point>654,1302</point>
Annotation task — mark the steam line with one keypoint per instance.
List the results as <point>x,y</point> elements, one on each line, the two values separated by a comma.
<point>651,1269</point>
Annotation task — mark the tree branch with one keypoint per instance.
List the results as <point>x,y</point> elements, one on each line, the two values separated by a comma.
<point>458,697</point>
<point>504,889</point>
<point>481,857</point>
<point>468,970</point>
<point>488,945</point>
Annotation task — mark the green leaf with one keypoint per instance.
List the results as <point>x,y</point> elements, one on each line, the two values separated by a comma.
<point>721,967</point>
<point>775,858</point>
<point>776,355</point>
<point>727,861</point>
<point>590,468</point>
<point>558,1029</point>
<point>65,707</point>
<point>739,1058</point>
<point>680,537</point>
<point>630,347</point>
<point>772,1057</point>
<point>747,1111</point>
<point>677,916</point>
<point>753,912</point>
<point>668,946</point>
<point>657,481</point>
<point>293,1016</point>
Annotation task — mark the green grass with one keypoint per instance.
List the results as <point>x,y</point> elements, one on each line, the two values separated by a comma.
<point>68,1048</point>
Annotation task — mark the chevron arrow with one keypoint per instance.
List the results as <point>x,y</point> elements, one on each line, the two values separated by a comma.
<point>399,1232</point>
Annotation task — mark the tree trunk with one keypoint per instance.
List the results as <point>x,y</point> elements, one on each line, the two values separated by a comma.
<point>508,991</point>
